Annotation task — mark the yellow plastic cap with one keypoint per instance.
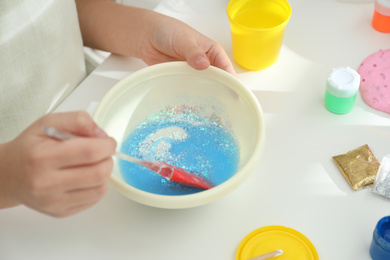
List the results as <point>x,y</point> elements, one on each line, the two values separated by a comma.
<point>270,238</point>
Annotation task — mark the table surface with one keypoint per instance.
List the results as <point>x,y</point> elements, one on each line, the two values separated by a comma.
<point>295,184</point>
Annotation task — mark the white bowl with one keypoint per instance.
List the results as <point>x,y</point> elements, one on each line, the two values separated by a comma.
<point>133,99</point>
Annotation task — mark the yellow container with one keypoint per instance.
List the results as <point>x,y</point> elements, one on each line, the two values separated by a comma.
<point>257,28</point>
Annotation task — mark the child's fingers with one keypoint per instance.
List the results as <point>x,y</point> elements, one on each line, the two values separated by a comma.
<point>76,201</point>
<point>81,151</point>
<point>87,176</point>
<point>77,123</point>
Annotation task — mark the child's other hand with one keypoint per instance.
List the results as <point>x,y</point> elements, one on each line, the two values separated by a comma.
<point>173,40</point>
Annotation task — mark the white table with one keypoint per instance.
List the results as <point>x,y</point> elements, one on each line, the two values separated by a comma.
<point>296,184</point>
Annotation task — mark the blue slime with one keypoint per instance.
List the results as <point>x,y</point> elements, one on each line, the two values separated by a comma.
<point>180,137</point>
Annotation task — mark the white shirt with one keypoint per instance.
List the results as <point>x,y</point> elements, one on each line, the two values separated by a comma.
<point>41,60</point>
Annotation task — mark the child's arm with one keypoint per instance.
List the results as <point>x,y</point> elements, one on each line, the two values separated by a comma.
<point>147,35</point>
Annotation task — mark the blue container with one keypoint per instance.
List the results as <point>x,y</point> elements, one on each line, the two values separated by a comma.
<point>380,244</point>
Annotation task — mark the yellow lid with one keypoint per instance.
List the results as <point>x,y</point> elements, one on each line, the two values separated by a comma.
<point>270,238</point>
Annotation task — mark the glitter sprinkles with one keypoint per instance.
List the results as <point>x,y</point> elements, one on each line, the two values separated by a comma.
<point>194,138</point>
<point>157,145</point>
<point>382,181</point>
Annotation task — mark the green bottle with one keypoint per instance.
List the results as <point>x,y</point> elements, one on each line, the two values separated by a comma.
<point>341,90</point>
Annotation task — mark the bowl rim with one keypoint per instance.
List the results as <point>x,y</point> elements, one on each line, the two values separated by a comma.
<point>206,196</point>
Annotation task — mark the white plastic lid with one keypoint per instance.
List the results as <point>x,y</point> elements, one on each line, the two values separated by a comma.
<point>343,82</point>
<point>385,3</point>
<point>383,7</point>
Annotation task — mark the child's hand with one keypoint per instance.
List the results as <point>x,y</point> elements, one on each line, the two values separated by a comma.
<point>58,178</point>
<point>172,40</point>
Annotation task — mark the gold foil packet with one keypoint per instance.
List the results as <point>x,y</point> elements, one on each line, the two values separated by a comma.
<point>358,166</point>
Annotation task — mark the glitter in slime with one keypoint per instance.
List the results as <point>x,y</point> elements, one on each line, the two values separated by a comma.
<point>375,75</point>
<point>180,136</point>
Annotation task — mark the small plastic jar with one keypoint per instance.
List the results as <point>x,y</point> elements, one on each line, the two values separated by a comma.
<point>341,89</point>
<point>380,244</point>
<point>381,17</point>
